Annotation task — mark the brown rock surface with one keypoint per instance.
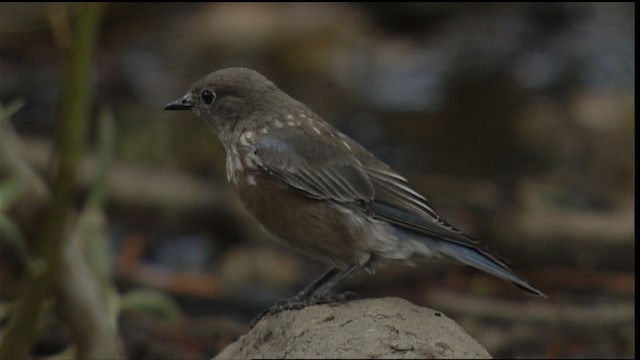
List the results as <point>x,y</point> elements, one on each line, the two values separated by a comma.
<point>370,328</point>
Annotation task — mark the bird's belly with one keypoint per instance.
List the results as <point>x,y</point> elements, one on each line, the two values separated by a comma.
<point>318,228</point>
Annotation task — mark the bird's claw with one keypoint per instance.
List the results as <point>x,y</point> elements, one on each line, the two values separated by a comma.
<point>297,303</point>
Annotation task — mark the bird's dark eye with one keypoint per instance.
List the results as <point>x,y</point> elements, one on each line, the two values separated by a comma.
<point>208,97</point>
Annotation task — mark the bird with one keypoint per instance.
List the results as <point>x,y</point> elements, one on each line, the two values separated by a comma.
<point>320,192</point>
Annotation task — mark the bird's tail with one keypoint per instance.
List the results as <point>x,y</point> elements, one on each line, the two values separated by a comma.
<point>487,263</point>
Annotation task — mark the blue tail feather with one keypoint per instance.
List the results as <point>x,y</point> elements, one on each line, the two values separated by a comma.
<point>478,259</point>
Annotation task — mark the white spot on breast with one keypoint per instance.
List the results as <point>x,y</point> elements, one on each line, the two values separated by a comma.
<point>278,124</point>
<point>316,130</point>
<point>233,165</point>
<point>247,138</point>
<point>289,117</point>
<point>237,164</point>
<point>346,144</point>
<point>291,123</point>
<point>251,165</point>
<point>251,180</point>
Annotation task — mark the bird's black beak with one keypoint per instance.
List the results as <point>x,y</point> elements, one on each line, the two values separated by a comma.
<point>180,104</point>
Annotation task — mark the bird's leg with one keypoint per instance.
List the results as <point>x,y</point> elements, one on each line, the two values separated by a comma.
<point>321,294</point>
<point>316,293</point>
<point>317,283</point>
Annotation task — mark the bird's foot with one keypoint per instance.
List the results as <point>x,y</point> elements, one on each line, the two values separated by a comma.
<point>297,303</point>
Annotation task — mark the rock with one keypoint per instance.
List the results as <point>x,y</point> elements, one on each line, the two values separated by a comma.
<point>370,328</point>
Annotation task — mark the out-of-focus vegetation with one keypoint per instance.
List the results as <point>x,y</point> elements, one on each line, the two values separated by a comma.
<point>515,120</point>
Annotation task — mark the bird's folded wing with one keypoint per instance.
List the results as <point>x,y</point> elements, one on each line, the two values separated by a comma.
<point>323,169</point>
<point>316,167</point>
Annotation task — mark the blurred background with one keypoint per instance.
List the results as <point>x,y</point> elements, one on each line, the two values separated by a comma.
<point>515,120</point>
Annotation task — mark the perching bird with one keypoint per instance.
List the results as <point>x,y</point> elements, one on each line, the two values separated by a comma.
<point>320,192</point>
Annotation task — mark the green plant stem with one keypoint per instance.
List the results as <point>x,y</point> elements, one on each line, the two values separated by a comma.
<point>70,138</point>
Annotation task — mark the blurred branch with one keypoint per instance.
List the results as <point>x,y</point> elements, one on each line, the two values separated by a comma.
<point>81,304</point>
<point>48,249</point>
<point>605,314</point>
<point>568,237</point>
<point>106,136</point>
<point>86,298</point>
